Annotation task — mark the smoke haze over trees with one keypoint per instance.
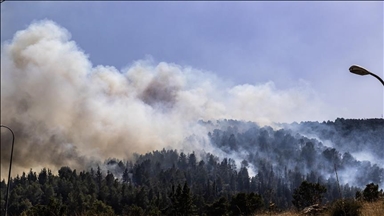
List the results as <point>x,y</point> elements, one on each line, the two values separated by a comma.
<point>167,182</point>
<point>176,133</point>
<point>309,147</point>
<point>67,112</point>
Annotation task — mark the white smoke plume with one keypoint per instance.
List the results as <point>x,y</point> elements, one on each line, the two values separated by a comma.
<point>67,112</point>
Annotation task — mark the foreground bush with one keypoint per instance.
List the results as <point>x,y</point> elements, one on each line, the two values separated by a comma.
<point>346,207</point>
<point>371,192</point>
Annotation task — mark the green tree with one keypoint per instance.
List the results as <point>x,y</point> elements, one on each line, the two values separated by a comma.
<point>308,194</point>
<point>65,173</point>
<point>181,201</point>
<point>371,192</point>
<point>100,208</point>
<point>43,176</point>
<point>34,193</point>
<point>133,210</point>
<point>125,176</point>
<point>186,201</point>
<point>254,203</point>
<point>31,176</point>
<point>141,198</point>
<point>246,204</point>
<point>48,193</point>
<point>218,208</point>
<point>53,208</point>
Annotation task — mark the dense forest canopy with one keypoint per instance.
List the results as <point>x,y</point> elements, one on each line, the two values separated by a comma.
<point>309,147</point>
<point>253,166</point>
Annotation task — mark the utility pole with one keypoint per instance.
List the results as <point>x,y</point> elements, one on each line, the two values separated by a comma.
<point>10,167</point>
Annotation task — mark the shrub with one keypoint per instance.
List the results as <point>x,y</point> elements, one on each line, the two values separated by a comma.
<point>371,192</point>
<point>346,207</point>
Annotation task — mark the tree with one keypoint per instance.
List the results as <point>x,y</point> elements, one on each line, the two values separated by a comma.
<point>182,162</point>
<point>133,210</point>
<point>371,192</point>
<point>32,176</point>
<point>308,153</point>
<point>34,193</point>
<point>174,196</point>
<point>65,173</point>
<point>141,198</point>
<point>246,204</point>
<point>43,176</point>
<point>192,161</point>
<point>109,179</point>
<point>308,194</point>
<point>218,208</point>
<point>254,202</point>
<point>186,202</point>
<point>243,180</point>
<point>48,193</point>
<point>100,208</point>
<point>125,176</point>
<point>182,201</point>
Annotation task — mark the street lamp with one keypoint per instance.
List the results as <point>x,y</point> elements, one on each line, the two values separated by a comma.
<point>10,166</point>
<point>362,71</point>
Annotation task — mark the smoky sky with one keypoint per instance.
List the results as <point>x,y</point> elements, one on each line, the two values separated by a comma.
<point>241,42</point>
<point>66,111</point>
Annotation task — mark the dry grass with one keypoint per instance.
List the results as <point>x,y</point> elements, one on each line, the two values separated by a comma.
<point>287,213</point>
<point>373,209</point>
<point>290,212</point>
<point>368,209</point>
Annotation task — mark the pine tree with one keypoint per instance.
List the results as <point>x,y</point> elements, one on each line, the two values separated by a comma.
<point>308,194</point>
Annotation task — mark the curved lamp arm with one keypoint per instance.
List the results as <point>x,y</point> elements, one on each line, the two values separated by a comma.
<point>381,80</point>
<point>10,166</point>
<point>362,71</point>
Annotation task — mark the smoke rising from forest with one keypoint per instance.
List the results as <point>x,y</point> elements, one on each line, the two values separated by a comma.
<point>67,112</point>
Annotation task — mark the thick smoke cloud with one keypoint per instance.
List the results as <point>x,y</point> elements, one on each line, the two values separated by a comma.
<point>65,111</point>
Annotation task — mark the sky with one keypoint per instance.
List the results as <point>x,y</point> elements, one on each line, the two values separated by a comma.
<point>286,43</point>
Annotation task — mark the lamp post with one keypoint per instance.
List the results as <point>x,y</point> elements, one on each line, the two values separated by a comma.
<point>362,71</point>
<point>10,166</point>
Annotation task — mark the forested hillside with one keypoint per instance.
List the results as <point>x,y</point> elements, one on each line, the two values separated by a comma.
<point>260,166</point>
<point>309,148</point>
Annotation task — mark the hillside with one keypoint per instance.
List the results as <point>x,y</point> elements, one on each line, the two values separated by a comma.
<point>249,164</point>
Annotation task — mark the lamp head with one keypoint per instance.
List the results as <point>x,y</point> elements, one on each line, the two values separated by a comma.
<point>358,70</point>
